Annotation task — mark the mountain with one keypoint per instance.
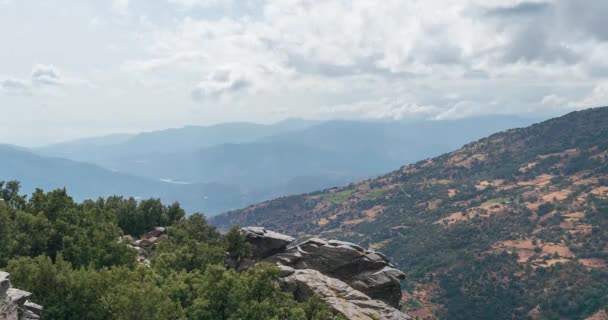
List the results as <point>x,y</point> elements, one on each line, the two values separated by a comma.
<point>512,226</point>
<point>328,153</point>
<point>254,162</point>
<point>87,181</point>
<point>105,151</point>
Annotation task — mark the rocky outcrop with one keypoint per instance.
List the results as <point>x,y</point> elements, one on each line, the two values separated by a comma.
<point>15,303</point>
<point>146,244</point>
<point>266,242</point>
<point>357,283</point>
<point>339,296</point>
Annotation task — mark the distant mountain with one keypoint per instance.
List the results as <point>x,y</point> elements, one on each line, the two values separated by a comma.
<point>106,150</point>
<point>330,152</point>
<point>512,226</point>
<point>261,162</point>
<point>87,181</point>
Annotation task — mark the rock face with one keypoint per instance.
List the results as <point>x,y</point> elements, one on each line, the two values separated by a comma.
<point>14,303</point>
<point>265,242</point>
<point>367,271</point>
<point>339,296</point>
<point>354,282</point>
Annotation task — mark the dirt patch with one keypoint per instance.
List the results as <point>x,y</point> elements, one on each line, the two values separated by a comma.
<point>374,211</point>
<point>560,249</point>
<point>551,262</point>
<point>452,192</point>
<point>453,218</point>
<point>569,152</point>
<point>378,245</point>
<point>574,216</point>
<point>461,160</point>
<point>600,156</point>
<point>600,191</point>
<point>556,196</point>
<point>593,263</point>
<point>581,229</point>
<point>600,315</point>
<point>527,166</point>
<point>409,169</point>
<point>526,249</point>
<point>539,181</point>
<point>322,222</point>
<point>370,215</point>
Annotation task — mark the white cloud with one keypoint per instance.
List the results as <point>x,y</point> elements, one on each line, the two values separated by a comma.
<point>43,78</point>
<point>598,97</point>
<point>262,60</point>
<point>553,101</point>
<point>383,109</point>
<point>120,7</point>
<point>200,3</point>
<point>14,86</point>
<point>220,82</point>
<point>45,75</point>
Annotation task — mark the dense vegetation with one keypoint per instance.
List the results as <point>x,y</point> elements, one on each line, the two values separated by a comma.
<point>511,226</point>
<point>71,257</point>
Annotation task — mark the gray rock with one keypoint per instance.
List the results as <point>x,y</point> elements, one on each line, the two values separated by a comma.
<point>33,308</point>
<point>17,296</point>
<point>14,303</point>
<point>286,271</point>
<point>157,232</point>
<point>245,264</point>
<point>384,284</point>
<point>339,296</point>
<point>368,275</point>
<point>5,284</point>
<point>265,242</point>
<point>367,271</point>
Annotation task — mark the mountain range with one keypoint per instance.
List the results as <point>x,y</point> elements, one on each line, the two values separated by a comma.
<point>227,166</point>
<point>511,226</point>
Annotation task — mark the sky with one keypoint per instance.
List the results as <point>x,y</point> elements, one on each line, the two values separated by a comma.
<point>77,68</point>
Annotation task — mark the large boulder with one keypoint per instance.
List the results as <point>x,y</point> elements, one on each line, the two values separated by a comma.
<point>266,242</point>
<point>383,284</point>
<point>339,296</point>
<point>367,271</point>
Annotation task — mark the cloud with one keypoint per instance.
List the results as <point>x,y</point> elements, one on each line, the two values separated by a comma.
<point>598,97</point>
<point>521,9</point>
<point>14,86</point>
<point>383,109</point>
<point>45,75</point>
<point>43,78</point>
<point>219,83</point>
<point>553,101</point>
<point>200,3</point>
<point>120,7</point>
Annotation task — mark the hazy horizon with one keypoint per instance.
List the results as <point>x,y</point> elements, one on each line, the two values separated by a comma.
<point>135,132</point>
<point>77,69</point>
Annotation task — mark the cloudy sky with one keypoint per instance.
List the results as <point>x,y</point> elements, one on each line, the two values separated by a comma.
<point>74,68</point>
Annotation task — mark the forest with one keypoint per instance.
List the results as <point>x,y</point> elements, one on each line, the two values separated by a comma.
<point>71,257</point>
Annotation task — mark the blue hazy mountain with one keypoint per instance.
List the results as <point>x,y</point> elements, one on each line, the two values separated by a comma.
<point>88,181</point>
<point>254,162</point>
<point>102,150</point>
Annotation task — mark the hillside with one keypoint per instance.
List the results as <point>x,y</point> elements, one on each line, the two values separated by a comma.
<point>87,181</point>
<point>510,226</point>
